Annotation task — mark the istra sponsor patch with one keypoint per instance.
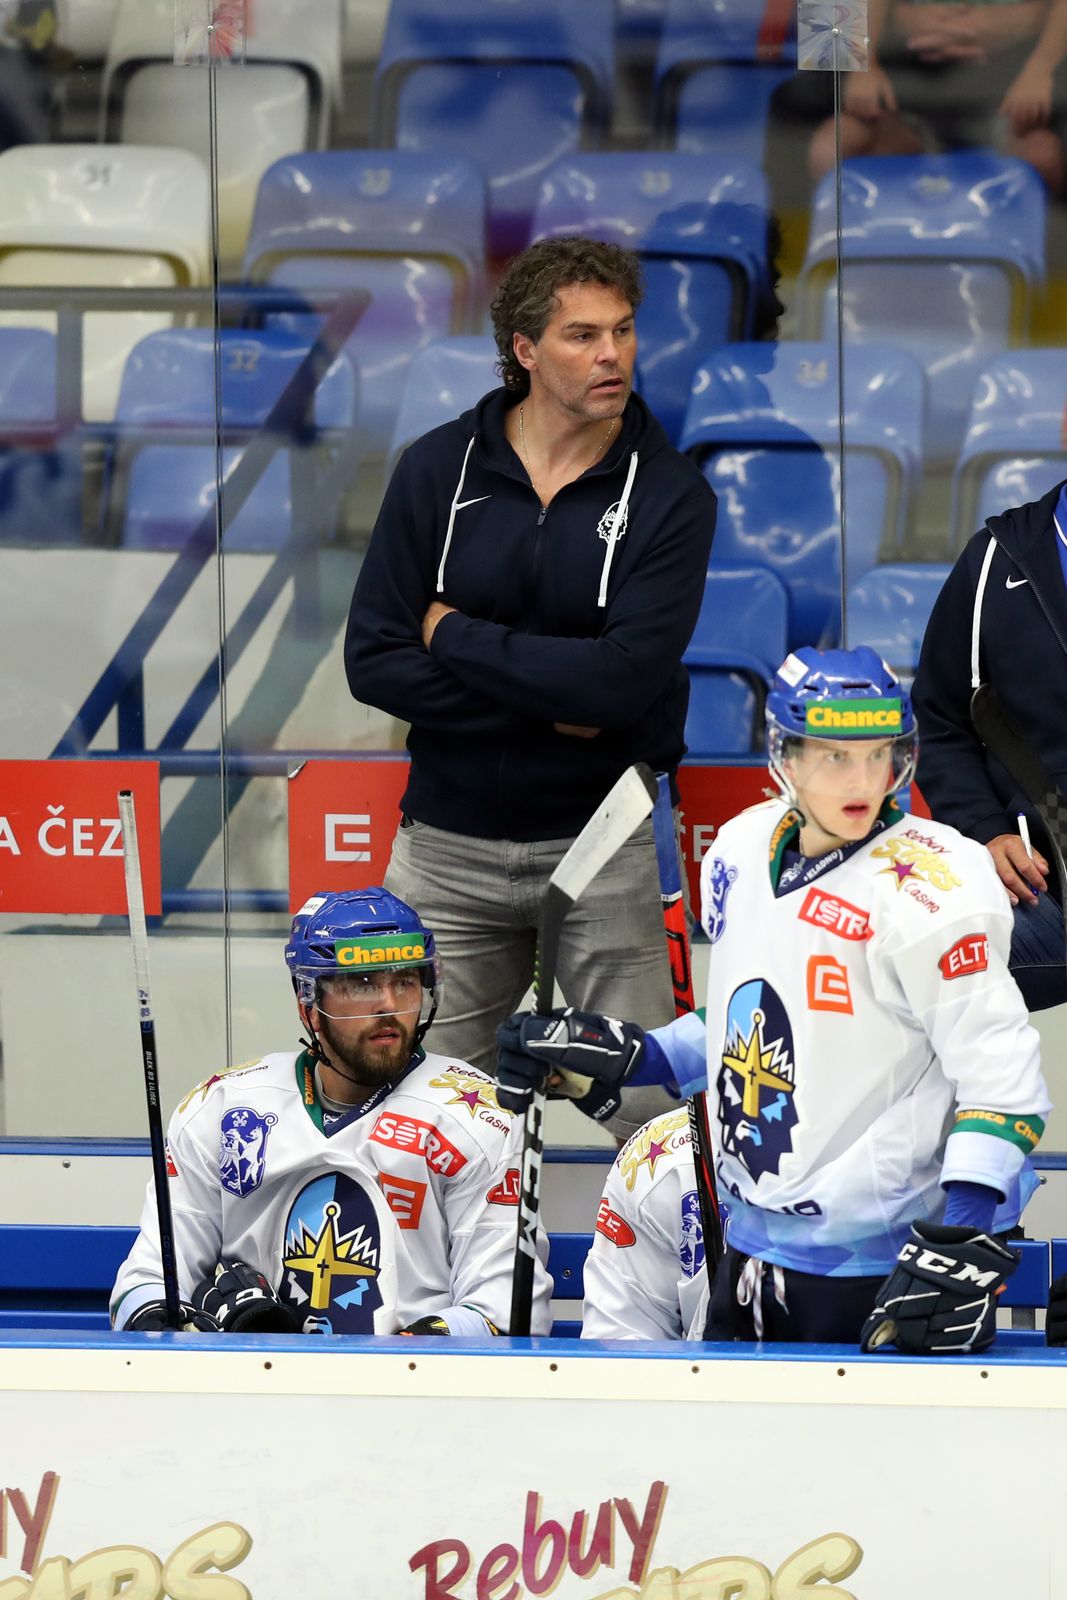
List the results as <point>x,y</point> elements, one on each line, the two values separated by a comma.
<point>421,1139</point>
<point>381,950</point>
<point>870,719</point>
<point>614,1228</point>
<point>835,915</point>
<point>967,955</point>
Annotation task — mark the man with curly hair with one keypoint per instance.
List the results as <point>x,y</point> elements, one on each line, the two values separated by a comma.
<point>531,584</point>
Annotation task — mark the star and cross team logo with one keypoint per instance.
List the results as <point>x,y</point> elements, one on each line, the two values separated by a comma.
<point>332,1256</point>
<point>757,1079</point>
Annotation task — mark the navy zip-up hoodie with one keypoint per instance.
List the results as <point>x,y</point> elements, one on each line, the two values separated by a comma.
<point>1022,653</point>
<point>578,615</point>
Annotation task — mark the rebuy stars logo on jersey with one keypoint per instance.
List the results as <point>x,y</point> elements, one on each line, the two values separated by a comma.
<point>913,860</point>
<point>651,1143</point>
<point>721,880</point>
<point>243,1148</point>
<point>471,1090</point>
<point>757,1079</point>
<point>332,1256</point>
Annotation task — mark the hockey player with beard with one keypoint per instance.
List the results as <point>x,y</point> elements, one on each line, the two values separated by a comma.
<point>361,1185</point>
<point>874,1085</point>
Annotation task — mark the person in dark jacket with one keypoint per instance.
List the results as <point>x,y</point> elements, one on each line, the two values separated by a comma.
<point>531,584</point>
<point>1001,618</point>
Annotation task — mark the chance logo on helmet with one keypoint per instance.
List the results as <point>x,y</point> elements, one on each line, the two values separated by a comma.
<point>844,717</point>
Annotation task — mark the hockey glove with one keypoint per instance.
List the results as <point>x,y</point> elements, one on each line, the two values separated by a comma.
<point>585,1056</point>
<point>152,1318</point>
<point>241,1300</point>
<point>942,1294</point>
<point>1056,1315</point>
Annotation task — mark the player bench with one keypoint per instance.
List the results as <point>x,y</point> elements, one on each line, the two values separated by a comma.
<point>60,1277</point>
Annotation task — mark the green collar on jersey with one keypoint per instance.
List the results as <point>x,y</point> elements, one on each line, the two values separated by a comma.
<point>786,836</point>
<point>309,1094</point>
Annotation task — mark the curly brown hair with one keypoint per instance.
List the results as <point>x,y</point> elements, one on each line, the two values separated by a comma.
<point>529,291</point>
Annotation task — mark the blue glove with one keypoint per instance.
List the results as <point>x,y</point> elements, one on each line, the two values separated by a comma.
<point>586,1057</point>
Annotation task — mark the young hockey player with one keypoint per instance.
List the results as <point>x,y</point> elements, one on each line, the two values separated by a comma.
<point>360,1186</point>
<point>873,1080</point>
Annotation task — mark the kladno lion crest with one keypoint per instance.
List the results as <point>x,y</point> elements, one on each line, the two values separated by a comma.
<point>243,1149</point>
<point>720,881</point>
<point>604,526</point>
<point>757,1079</point>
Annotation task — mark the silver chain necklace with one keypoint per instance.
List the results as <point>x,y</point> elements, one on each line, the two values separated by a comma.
<point>601,447</point>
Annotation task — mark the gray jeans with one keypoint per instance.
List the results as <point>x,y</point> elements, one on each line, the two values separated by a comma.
<point>482,900</point>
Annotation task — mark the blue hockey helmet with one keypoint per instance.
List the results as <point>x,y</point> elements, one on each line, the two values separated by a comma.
<point>347,938</point>
<point>839,694</point>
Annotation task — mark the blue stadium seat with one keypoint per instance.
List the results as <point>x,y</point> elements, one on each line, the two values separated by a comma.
<point>445,379</point>
<point>408,228</point>
<point>40,469</point>
<point>512,87</point>
<point>738,644</point>
<point>719,63</point>
<point>889,609</point>
<point>941,254</point>
<point>166,462</point>
<point>763,424</point>
<point>1015,447</point>
<point>699,224</point>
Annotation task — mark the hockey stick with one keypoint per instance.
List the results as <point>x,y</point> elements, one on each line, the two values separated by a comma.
<point>674,925</point>
<point>1002,740</point>
<point>131,862</point>
<point>627,805</point>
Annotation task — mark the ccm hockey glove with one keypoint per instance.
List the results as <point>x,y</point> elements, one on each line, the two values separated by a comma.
<point>241,1300</point>
<point>942,1294</point>
<point>152,1318</point>
<point>585,1056</point>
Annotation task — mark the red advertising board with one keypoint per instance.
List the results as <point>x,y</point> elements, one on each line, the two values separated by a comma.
<point>342,818</point>
<point>343,815</point>
<point>60,838</point>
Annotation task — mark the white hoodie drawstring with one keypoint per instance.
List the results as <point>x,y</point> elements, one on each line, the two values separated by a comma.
<point>750,1290</point>
<point>615,532</point>
<point>455,506</point>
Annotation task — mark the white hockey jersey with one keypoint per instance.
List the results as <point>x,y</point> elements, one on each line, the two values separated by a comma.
<point>865,1040</point>
<point>645,1272</point>
<point>363,1223</point>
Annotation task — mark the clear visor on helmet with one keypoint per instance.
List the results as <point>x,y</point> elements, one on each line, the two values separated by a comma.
<point>378,992</point>
<point>839,768</point>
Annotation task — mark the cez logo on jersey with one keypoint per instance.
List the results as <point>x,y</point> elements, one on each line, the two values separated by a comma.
<point>967,955</point>
<point>828,988</point>
<point>243,1148</point>
<point>827,911</point>
<point>615,1229</point>
<point>332,1256</point>
<point>422,1139</point>
<point>691,1248</point>
<point>757,1079</point>
<point>721,880</point>
<point>405,1197</point>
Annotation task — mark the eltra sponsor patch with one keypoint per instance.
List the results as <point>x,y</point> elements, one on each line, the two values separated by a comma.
<point>420,1139</point>
<point>616,1229</point>
<point>835,915</point>
<point>506,1192</point>
<point>967,955</point>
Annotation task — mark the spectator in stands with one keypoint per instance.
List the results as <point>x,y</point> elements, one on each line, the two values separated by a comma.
<point>960,75</point>
<point>533,579</point>
<point>1020,605</point>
